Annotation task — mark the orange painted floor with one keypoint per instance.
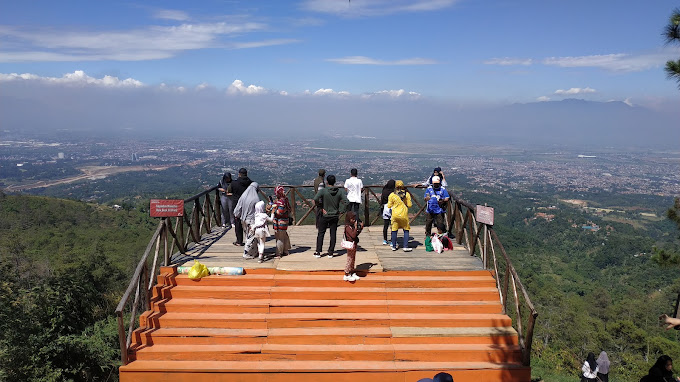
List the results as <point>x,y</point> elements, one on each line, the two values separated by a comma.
<point>273,325</point>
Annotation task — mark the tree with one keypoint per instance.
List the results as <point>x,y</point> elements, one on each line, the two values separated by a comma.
<point>671,34</point>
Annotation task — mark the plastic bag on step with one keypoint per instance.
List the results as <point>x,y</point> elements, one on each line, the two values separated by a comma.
<point>198,270</point>
<point>437,244</point>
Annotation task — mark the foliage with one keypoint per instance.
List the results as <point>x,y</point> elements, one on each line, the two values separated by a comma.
<point>63,265</point>
<point>671,34</point>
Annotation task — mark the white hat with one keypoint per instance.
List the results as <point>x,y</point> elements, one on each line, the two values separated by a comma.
<point>435,179</point>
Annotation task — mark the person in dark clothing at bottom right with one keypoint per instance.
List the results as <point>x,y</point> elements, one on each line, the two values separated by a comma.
<point>662,371</point>
<point>238,187</point>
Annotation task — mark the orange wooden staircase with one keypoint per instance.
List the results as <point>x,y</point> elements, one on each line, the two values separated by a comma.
<point>271,325</point>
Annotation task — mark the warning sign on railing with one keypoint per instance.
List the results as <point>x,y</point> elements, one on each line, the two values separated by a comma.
<point>484,214</point>
<point>166,208</point>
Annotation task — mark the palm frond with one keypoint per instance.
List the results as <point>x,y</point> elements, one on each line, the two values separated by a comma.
<point>671,32</point>
<point>672,70</point>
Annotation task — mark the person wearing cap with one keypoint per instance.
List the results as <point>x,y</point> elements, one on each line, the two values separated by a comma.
<point>436,172</point>
<point>238,187</point>
<point>436,198</point>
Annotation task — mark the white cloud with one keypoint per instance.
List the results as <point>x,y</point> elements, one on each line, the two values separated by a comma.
<point>401,93</point>
<point>574,91</point>
<point>150,43</point>
<point>375,7</point>
<point>76,78</point>
<point>171,14</point>
<point>618,62</point>
<point>362,60</point>
<point>543,99</point>
<point>260,44</point>
<point>628,102</point>
<point>508,61</point>
<point>237,87</point>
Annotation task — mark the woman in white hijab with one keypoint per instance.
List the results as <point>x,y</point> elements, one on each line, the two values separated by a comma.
<point>603,367</point>
<point>245,210</point>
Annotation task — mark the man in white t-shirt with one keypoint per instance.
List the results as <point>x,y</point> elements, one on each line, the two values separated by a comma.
<point>354,187</point>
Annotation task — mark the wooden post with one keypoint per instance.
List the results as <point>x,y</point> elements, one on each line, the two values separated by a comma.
<point>485,257</point>
<point>367,218</point>
<point>292,206</point>
<point>166,250</point>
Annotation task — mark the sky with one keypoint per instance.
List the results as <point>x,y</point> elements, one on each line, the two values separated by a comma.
<point>415,55</point>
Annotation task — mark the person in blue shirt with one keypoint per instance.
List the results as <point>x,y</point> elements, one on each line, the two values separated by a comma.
<point>436,197</point>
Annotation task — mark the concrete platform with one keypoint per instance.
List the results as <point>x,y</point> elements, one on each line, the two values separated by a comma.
<point>216,249</point>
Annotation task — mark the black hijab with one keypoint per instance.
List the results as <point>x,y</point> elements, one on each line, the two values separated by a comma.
<point>387,190</point>
<point>591,361</point>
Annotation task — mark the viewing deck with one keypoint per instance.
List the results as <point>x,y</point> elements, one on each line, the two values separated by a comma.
<point>216,250</point>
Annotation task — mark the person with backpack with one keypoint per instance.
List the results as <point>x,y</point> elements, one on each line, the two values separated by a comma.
<point>436,197</point>
<point>399,202</point>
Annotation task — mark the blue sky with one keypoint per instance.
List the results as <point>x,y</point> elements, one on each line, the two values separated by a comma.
<point>469,51</point>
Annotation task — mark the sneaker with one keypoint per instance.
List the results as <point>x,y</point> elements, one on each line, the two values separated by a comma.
<point>347,278</point>
<point>260,260</point>
<point>317,255</point>
<point>248,257</point>
<point>355,277</point>
<point>394,248</point>
<point>329,255</point>
<point>385,242</point>
<point>408,249</point>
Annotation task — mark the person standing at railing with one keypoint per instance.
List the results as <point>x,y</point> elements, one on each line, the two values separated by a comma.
<point>245,210</point>
<point>319,183</point>
<point>386,212</point>
<point>436,196</point>
<point>225,201</point>
<point>333,197</point>
<point>436,172</point>
<point>399,202</point>
<point>238,187</point>
<point>280,214</point>
<point>354,186</point>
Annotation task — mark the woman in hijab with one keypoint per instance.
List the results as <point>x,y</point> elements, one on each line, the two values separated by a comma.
<point>590,369</point>
<point>280,213</point>
<point>225,201</point>
<point>245,210</point>
<point>386,212</point>
<point>662,371</point>
<point>436,172</point>
<point>352,231</point>
<point>399,202</point>
<point>603,365</point>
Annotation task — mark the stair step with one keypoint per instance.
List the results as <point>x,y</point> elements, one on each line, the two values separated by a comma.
<point>350,292</point>
<point>335,280</point>
<point>324,371</point>
<point>317,352</point>
<point>208,305</point>
<point>323,319</point>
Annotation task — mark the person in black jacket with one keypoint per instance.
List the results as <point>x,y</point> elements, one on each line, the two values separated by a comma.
<point>662,371</point>
<point>237,188</point>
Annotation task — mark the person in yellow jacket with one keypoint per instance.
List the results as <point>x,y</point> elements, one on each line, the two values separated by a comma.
<point>399,202</point>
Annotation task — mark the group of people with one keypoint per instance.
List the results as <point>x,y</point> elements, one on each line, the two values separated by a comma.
<point>597,370</point>
<point>243,209</point>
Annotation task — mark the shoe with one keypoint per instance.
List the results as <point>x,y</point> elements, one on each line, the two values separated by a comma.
<point>393,247</point>
<point>385,242</point>
<point>407,249</point>
<point>347,278</point>
<point>355,277</point>
<point>317,255</point>
<point>224,226</point>
<point>248,257</point>
<point>330,255</point>
<point>227,227</point>
<point>260,260</point>
<point>236,243</point>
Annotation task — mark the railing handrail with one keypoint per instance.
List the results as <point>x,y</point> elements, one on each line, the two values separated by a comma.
<point>202,217</point>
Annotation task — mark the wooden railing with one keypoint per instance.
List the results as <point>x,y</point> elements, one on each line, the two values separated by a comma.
<point>480,239</point>
<point>187,229</point>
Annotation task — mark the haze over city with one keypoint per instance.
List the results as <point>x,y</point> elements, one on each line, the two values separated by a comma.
<point>526,72</point>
